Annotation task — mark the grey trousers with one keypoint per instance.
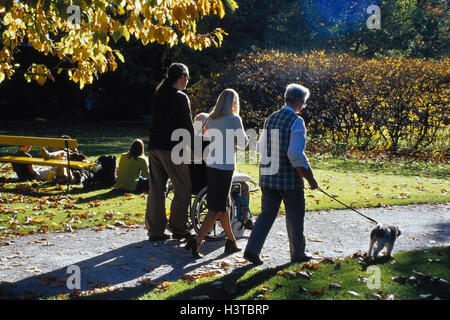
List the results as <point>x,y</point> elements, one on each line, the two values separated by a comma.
<point>161,169</point>
<point>294,203</point>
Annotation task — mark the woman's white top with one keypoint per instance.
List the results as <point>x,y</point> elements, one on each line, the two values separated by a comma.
<point>226,134</point>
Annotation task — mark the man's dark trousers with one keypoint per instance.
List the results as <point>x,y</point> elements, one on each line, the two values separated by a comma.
<point>294,203</point>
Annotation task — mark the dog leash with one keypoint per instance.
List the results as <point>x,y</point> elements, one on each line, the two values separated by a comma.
<point>370,219</point>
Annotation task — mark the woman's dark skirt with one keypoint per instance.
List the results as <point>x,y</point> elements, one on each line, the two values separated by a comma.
<point>219,185</point>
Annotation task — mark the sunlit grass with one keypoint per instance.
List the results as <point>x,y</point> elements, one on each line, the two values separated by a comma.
<point>29,208</point>
<point>410,275</point>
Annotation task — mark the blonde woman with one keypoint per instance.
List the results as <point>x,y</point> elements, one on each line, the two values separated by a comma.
<point>224,128</point>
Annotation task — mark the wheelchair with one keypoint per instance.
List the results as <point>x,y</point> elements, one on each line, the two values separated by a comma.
<point>198,204</point>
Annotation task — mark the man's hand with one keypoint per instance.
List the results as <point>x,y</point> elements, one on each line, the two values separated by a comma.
<point>313,184</point>
<point>308,175</point>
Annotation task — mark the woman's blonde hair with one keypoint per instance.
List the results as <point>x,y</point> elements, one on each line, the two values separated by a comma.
<point>227,104</point>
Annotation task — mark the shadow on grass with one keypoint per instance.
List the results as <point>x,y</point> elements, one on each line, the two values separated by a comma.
<point>426,271</point>
<point>229,289</point>
<point>40,189</point>
<point>103,194</point>
<point>384,167</point>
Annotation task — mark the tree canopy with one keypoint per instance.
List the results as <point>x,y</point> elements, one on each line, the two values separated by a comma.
<point>79,32</point>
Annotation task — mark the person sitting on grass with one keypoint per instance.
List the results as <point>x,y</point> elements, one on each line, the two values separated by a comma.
<point>133,173</point>
<point>25,172</point>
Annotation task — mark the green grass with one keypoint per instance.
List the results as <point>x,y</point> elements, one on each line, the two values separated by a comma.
<point>30,208</point>
<point>287,283</point>
<point>359,185</point>
<point>39,208</point>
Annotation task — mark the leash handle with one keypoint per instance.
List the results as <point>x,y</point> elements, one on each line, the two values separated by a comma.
<point>370,219</point>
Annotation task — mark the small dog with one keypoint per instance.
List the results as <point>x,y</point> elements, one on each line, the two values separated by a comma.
<point>384,236</point>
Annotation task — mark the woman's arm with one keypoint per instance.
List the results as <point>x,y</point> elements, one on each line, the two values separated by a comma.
<point>240,137</point>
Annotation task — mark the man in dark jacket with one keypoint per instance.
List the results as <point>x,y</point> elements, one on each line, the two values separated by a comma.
<point>171,110</point>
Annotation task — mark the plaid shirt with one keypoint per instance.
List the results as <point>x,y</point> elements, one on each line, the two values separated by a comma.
<point>286,178</point>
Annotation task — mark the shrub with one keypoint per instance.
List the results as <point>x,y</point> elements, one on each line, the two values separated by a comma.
<point>396,104</point>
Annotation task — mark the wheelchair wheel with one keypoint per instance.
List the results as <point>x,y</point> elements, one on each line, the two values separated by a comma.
<point>198,213</point>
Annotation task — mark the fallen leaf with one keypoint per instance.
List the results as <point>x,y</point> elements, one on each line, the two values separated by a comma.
<point>376,295</point>
<point>305,275</point>
<point>302,290</point>
<point>311,266</point>
<point>325,260</point>
<point>75,293</point>
<point>399,279</point>
<point>163,286</point>
<point>316,292</point>
<point>335,286</point>
<point>189,277</point>
<point>38,220</point>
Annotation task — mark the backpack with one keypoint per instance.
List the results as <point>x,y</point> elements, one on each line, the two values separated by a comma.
<point>106,176</point>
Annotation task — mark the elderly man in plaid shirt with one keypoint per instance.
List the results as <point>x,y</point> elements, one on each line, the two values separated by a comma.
<point>283,166</point>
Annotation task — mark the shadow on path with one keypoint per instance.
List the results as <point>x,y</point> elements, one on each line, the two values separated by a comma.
<point>115,267</point>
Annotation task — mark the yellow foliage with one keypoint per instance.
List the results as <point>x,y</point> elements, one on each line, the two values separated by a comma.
<point>45,26</point>
<point>394,103</point>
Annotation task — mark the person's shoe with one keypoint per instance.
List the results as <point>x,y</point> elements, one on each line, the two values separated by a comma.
<point>159,238</point>
<point>231,247</point>
<point>253,258</point>
<point>301,259</point>
<point>44,153</point>
<point>186,236</point>
<point>192,244</point>
<point>248,224</point>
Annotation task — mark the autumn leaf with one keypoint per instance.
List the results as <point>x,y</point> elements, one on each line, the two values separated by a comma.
<point>37,220</point>
<point>263,288</point>
<point>86,45</point>
<point>337,286</point>
<point>189,277</point>
<point>163,286</point>
<point>353,293</point>
<point>93,204</point>
<point>315,240</point>
<point>316,292</point>
<point>310,266</point>
<point>75,293</point>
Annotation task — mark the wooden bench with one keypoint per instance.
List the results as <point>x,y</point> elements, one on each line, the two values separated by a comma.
<point>58,143</point>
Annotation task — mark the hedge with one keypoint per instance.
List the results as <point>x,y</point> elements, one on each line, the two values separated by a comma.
<point>391,104</point>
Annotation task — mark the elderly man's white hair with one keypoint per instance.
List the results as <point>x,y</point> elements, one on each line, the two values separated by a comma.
<point>296,92</point>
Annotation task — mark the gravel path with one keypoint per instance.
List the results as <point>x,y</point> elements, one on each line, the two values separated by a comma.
<point>37,265</point>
